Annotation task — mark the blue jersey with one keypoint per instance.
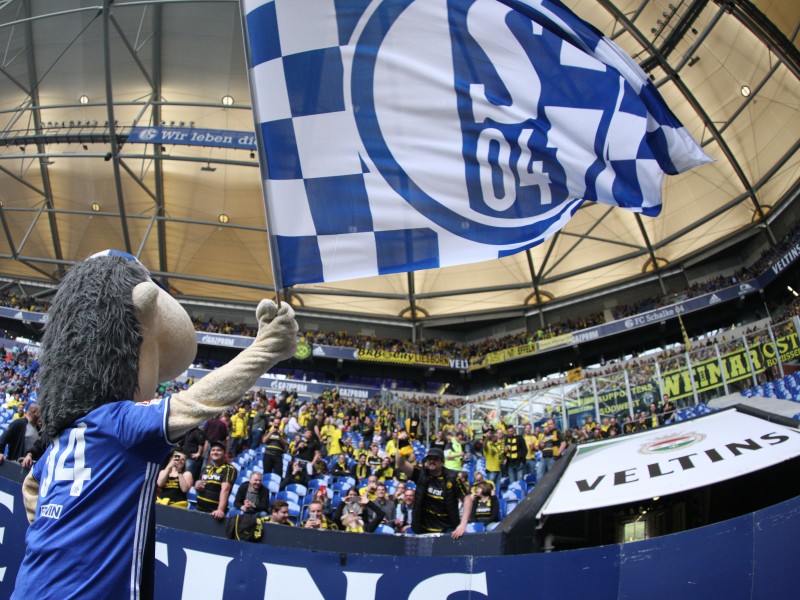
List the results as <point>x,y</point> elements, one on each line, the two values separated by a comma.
<point>96,489</point>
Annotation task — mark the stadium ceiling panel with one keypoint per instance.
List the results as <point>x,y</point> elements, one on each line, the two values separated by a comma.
<point>76,76</point>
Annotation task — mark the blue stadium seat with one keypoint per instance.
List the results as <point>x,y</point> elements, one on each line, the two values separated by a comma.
<point>289,497</point>
<point>191,496</point>
<point>475,527</point>
<point>294,512</point>
<point>384,529</point>
<point>298,489</point>
<point>273,484</point>
<point>345,479</point>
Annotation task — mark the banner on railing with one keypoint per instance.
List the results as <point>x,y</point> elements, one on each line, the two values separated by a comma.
<point>402,358</point>
<point>189,136</point>
<point>735,366</point>
<point>668,460</point>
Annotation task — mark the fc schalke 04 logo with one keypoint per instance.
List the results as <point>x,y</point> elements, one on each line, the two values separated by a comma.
<point>453,114</point>
<point>670,443</point>
<point>148,134</point>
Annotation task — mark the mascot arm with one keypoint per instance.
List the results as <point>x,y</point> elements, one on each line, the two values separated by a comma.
<point>224,387</point>
<point>30,495</point>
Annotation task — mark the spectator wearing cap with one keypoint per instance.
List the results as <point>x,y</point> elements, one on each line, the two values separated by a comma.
<point>439,492</point>
<point>214,487</point>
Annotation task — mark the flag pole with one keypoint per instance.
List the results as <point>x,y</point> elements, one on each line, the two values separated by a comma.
<point>274,252</point>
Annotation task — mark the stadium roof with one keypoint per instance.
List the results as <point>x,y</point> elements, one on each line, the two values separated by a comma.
<point>75,77</point>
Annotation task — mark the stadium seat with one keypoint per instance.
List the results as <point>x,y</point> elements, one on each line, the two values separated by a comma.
<point>272,481</point>
<point>298,489</point>
<point>475,527</point>
<point>385,530</point>
<point>345,479</point>
<point>289,497</point>
<point>191,496</point>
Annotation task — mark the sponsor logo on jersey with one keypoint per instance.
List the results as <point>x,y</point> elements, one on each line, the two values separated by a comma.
<point>153,402</point>
<point>51,511</point>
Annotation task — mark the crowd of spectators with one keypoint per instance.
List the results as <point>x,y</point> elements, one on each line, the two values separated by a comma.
<point>355,467</point>
<point>351,449</point>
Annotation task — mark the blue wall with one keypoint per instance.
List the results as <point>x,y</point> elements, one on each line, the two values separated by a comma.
<point>753,556</point>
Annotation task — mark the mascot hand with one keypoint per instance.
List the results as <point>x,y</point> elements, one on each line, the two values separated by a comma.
<point>277,330</point>
<point>276,341</point>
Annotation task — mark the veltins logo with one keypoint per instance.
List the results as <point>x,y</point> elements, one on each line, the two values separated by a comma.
<point>670,443</point>
<point>494,126</point>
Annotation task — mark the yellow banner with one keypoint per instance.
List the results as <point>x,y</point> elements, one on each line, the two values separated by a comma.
<point>478,362</point>
<point>553,342</point>
<point>403,358</point>
<point>575,374</point>
<point>493,358</point>
<point>708,374</point>
<point>524,350</point>
<point>433,360</point>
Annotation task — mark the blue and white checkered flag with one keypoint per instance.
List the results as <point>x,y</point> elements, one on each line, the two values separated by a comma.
<point>398,135</point>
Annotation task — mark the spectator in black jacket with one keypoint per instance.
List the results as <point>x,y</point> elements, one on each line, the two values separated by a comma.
<point>252,497</point>
<point>295,473</point>
<point>21,436</point>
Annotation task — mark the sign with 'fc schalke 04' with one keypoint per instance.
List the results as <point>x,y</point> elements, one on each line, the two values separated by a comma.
<point>409,134</point>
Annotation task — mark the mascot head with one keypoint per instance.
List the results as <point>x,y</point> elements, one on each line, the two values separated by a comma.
<point>112,334</point>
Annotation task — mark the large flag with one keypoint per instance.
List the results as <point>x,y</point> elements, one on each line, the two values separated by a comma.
<point>399,135</point>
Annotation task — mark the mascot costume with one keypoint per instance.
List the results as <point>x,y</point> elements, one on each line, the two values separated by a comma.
<point>112,336</point>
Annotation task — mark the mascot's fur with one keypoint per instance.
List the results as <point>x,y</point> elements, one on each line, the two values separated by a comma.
<point>90,348</point>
